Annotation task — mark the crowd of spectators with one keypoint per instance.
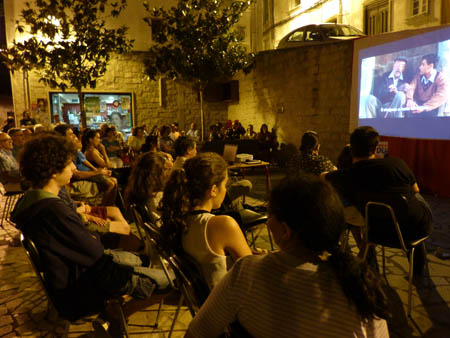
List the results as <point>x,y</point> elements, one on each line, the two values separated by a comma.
<point>91,254</point>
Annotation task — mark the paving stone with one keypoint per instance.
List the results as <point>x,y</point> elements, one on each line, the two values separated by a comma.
<point>5,320</point>
<point>5,329</point>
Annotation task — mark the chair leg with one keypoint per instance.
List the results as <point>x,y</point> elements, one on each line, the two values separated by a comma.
<point>124,321</point>
<point>175,317</point>
<point>270,237</point>
<point>411,268</point>
<point>161,303</point>
<point>344,239</point>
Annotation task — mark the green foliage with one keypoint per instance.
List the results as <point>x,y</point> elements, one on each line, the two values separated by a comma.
<point>68,41</point>
<point>197,42</point>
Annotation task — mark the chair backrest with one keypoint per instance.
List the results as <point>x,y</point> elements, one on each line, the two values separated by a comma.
<point>35,260</point>
<point>191,281</point>
<point>382,226</point>
<point>138,220</point>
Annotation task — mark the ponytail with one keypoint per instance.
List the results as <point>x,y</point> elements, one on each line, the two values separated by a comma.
<point>361,284</point>
<point>174,205</point>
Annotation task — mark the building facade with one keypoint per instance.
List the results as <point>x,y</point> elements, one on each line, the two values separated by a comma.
<point>273,19</point>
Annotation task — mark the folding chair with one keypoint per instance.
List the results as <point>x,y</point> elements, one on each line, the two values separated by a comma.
<point>11,199</point>
<point>34,257</point>
<point>380,214</point>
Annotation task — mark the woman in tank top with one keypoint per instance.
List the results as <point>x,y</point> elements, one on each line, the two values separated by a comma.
<point>188,224</point>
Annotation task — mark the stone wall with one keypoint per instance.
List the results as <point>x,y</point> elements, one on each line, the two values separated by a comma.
<point>126,74</point>
<point>293,90</point>
<point>299,89</point>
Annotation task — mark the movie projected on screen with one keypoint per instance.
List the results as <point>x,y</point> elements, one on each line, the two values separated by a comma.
<point>403,84</point>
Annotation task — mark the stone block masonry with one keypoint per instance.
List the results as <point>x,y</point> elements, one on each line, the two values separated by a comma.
<point>299,89</point>
<point>293,90</point>
<point>126,74</point>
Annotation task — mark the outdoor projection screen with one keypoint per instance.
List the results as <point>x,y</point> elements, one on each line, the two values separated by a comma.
<point>417,105</point>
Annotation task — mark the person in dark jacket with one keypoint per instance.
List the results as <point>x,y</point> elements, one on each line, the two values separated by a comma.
<point>80,276</point>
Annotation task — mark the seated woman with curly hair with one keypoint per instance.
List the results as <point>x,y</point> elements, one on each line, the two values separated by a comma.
<point>146,182</point>
<point>188,224</point>
<point>307,289</point>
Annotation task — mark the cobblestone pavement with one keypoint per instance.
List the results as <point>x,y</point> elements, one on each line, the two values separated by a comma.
<point>23,305</point>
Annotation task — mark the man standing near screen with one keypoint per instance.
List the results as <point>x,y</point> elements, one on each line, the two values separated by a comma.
<point>428,91</point>
<point>388,93</point>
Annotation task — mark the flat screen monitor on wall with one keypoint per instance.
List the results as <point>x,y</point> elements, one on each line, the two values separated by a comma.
<point>401,83</point>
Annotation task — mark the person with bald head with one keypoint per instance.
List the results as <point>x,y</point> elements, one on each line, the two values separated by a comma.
<point>9,168</point>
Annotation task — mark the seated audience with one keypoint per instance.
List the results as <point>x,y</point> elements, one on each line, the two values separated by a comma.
<point>185,148</point>
<point>27,120</point>
<point>9,168</point>
<point>309,160</point>
<point>146,182</point>
<point>80,276</point>
<point>137,139</point>
<point>18,141</point>
<point>166,143</point>
<point>188,224</point>
<point>174,131</point>
<point>151,143</point>
<point>193,132</point>
<point>8,124</point>
<point>390,175</point>
<point>250,133</point>
<point>112,147</point>
<point>94,150</point>
<point>307,289</point>
<point>85,171</point>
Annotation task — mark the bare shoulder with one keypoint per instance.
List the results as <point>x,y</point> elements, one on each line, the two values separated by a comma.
<point>224,223</point>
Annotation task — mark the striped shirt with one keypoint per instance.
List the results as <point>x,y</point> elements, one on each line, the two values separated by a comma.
<point>278,296</point>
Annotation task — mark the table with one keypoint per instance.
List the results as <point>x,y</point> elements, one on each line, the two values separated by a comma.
<point>243,166</point>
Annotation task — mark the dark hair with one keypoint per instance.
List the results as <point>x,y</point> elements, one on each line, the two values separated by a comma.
<point>319,229</point>
<point>13,131</point>
<point>88,134</point>
<point>136,129</point>
<point>264,126</point>
<point>151,142</point>
<point>363,141</point>
<point>62,129</point>
<point>108,129</point>
<point>183,144</point>
<point>431,58</point>
<point>43,156</point>
<point>185,189</point>
<point>345,159</point>
<point>146,178</point>
<point>164,129</point>
<point>401,58</point>
<point>310,142</point>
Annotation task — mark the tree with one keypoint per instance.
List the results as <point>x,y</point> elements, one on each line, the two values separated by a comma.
<point>69,42</point>
<point>196,41</point>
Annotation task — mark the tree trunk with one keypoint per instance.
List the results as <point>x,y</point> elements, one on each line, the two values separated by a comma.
<point>82,109</point>
<point>202,114</point>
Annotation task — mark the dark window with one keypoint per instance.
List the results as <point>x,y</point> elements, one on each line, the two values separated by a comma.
<point>377,17</point>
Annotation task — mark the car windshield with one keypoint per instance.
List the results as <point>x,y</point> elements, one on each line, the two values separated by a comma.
<point>340,31</point>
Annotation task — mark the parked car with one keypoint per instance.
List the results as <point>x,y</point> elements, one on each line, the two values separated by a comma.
<point>315,34</point>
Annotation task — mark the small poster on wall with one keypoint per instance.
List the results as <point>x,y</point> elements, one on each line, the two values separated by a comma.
<point>125,102</point>
<point>92,104</point>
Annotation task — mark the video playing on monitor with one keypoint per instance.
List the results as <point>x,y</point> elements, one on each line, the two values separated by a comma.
<point>404,86</point>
